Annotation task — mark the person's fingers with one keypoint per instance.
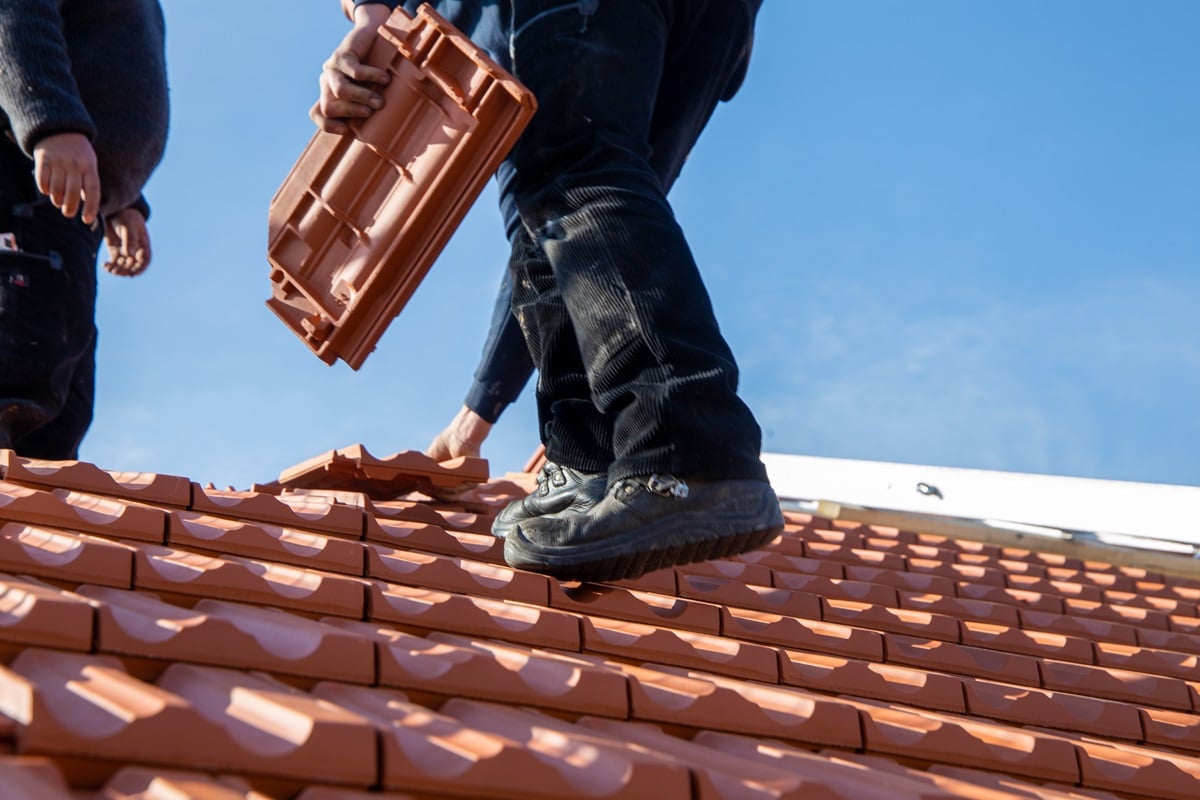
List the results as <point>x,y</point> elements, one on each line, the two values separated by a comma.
<point>338,86</point>
<point>126,234</point>
<point>347,60</point>
<point>42,173</point>
<point>72,193</point>
<point>114,242</point>
<point>325,123</point>
<point>128,243</point>
<point>139,250</point>
<point>91,196</point>
<point>56,188</point>
<point>139,261</point>
<point>342,99</point>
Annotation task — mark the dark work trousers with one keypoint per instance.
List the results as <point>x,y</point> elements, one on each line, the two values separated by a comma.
<point>634,375</point>
<point>505,365</point>
<point>47,318</point>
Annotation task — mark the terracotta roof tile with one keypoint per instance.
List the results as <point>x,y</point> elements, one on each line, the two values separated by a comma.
<point>473,616</point>
<point>960,659</point>
<point>1154,772</point>
<point>429,538</point>
<point>1169,640</point>
<point>853,555</point>
<point>133,783</point>
<point>188,529</point>
<point>1098,630</point>
<point>37,614</point>
<point>718,773</point>
<point>1022,598</point>
<point>775,560</point>
<point>454,574</point>
<point>250,580</point>
<point>641,642</point>
<point>32,779</point>
<point>1116,684</point>
<point>963,741</point>
<point>77,511</point>
<point>145,487</point>
<point>976,575</point>
<point>895,620</point>
<point>860,591</point>
<point>35,550</point>
<point>630,604</point>
<point>1171,729</point>
<point>329,793</point>
<point>1095,609</point>
<point>1147,659</point>
<point>903,581</point>
<point>734,594</point>
<point>229,634</point>
<point>267,727</point>
<point>485,750</point>
<point>731,570</point>
<point>314,512</point>
<point>806,634</point>
<point>451,115</point>
<point>1027,705</point>
<point>916,687</point>
<point>960,608</point>
<point>696,699</point>
<point>1035,643</point>
<point>355,469</point>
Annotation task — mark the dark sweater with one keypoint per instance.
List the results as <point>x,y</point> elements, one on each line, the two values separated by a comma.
<point>95,67</point>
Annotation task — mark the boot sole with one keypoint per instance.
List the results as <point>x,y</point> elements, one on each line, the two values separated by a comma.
<point>629,558</point>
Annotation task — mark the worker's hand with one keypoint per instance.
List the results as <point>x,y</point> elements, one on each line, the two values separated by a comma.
<point>464,436</point>
<point>128,243</point>
<point>349,87</point>
<point>64,166</point>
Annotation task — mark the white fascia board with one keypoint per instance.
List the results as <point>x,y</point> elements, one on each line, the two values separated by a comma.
<point>1155,511</point>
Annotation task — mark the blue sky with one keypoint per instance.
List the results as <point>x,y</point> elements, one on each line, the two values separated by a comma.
<point>938,232</point>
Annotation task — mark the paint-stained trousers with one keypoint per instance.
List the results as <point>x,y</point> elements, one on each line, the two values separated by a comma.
<point>47,311</point>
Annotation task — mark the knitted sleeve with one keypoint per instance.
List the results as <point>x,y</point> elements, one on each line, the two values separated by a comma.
<point>37,91</point>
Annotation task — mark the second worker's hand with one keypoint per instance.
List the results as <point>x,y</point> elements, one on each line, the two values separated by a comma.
<point>64,167</point>
<point>128,243</point>
<point>349,86</point>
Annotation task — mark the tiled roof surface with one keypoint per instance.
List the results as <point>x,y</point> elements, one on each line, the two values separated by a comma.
<point>159,639</point>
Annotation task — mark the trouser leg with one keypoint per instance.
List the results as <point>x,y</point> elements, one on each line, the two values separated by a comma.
<point>60,438</point>
<point>610,284</point>
<point>504,366</point>
<point>47,307</point>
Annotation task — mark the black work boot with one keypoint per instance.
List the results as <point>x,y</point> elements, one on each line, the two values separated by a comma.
<point>647,523</point>
<point>558,489</point>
